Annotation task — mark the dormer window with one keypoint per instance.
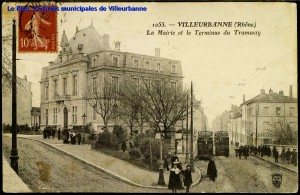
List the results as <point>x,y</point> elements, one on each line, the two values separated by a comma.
<point>158,67</point>
<point>115,61</point>
<point>173,68</point>
<point>94,60</point>
<point>135,63</point>
<point>80,46</point>
<point>148,66</point>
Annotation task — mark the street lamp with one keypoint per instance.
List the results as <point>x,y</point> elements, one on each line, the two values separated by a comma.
<point>257,110</point>
<point>83,122</point>
<point>14,149</point>
<point>161,180</point>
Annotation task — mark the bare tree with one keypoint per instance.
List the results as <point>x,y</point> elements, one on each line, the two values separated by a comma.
<point>103,98</point>
<point>159,100</point>
<point>283,133</point>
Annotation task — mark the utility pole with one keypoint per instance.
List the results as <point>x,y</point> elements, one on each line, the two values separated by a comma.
<point>187,128</point>
<point>221,123</point>
<point>192,132</point>
<point>14,151</point>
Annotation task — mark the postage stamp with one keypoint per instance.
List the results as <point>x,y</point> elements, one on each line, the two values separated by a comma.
<point>37,29</point>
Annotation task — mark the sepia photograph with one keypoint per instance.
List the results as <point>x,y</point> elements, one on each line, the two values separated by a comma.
<point>153,97</point>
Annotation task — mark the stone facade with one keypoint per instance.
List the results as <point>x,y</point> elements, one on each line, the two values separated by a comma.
<point>85,58</point>
<point>24,103</point>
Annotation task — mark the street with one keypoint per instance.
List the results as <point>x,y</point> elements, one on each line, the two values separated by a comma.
<point>65,173</point>
<point>44,169</point>
<point>240,175</point>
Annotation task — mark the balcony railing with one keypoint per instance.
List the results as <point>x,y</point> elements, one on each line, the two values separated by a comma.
<point>61,97</point>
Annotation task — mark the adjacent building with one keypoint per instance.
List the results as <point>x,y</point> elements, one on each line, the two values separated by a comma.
<point>86,59</point>
<point>254,118</point>
<point>24,103</point>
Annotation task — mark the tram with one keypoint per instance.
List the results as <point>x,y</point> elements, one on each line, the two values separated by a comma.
<point>205,144</point>
<point>221,143</point>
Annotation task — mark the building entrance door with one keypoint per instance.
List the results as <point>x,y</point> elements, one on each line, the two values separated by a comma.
<point>65,118</point>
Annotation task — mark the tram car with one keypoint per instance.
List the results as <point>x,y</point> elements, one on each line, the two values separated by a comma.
<point>221,143</point>
<point>205,144</point>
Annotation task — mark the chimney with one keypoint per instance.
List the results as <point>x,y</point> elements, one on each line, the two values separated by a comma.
<point>281,93</point>
<point>244,98</point>
<point>105,41</point>
<point>117,45</point>
<point>270,91</point>
<point>262,91</point>
<point>157,52</point>
<point>291,91</point>
<point>25,77</point>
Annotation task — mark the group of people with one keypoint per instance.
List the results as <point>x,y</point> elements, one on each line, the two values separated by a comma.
<point>71,137</point>
<point>289,156</point>
<point>265,150</point>
<point>242,151</point>
<point>180,177</point>
<point>50,132</point>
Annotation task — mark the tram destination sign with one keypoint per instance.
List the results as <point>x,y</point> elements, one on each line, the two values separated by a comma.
<point>221,133</point>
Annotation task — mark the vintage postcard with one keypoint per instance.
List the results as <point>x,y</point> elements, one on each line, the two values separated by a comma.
<point>150,97</point>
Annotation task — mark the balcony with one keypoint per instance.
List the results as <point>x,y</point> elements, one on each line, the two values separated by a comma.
<point>59,98</point>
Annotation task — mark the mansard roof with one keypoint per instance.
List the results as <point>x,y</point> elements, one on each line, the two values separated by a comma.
<point>90,39</point>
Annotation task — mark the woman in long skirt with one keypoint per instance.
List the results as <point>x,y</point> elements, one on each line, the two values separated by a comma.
<point>174,179</point>
<point>212,170</point>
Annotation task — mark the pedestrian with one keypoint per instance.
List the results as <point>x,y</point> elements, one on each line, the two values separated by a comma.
<point>269,151</point>
<point>173,159</point>
<point>58,133</point>
<point>236,149</point>
<point>187,178</point>
<point>294,157</point>
<point>283,155</point>
<point>240,151</point>
<point>79,138</point>
<point>166,163</point>
<point>255,150</point>
<point>212,170</point>
<point>245,152</point>
<point>73,139</point>
<point>288,156</point>
<point>174,179</point>
<point>45,133</point>
<point>53,132</point>
<point>123,146</point>
<point>275,153</point>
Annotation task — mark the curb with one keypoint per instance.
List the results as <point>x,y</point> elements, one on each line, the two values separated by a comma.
<point>278,165</point>
<point>109,172</point>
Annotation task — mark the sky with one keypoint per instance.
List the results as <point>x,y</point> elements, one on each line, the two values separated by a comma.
<point>221,67</point>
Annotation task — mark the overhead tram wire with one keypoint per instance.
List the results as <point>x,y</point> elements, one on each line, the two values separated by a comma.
<point>272,64</point>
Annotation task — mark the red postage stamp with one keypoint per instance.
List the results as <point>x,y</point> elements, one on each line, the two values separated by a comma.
<point>37,29</point>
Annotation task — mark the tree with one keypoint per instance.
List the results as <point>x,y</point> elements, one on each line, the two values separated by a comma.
<point>158,99</point>
<point>283,133</point>
<point>103,98</point>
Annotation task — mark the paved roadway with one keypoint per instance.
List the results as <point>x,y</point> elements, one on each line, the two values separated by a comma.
<point>44,169</point>
<point>241,175</point>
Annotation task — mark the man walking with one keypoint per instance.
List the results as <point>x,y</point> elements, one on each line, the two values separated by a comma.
<point>79,138</point>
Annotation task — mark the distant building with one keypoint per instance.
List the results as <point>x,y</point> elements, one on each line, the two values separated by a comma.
<point>85,59</point>
<point>268,108</point>
<point>36,117</point>
<point>24,103</point>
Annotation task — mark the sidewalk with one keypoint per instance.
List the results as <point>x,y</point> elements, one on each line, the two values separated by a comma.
<point>12,183</point>
<point>280,163</point>
<point>111,165</point>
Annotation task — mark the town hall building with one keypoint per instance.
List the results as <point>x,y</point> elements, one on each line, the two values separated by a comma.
<point>86,59</point>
